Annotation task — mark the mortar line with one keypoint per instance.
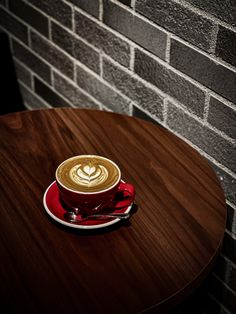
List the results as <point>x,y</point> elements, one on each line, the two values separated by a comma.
<point>203,153</point>
<point>37,9</point>
<point>207,54</point>
<point>101,63</point>
<point>213,58</point>
<point>206,107</point>
<point>153,87</point>
<point>165,111</point>
<point>228,260</point>
<point>27,69</point>
<point>131,108</point>
<point>176,37</point>
<point>132,56</point>
<point>101,10</point>
<point>224,284</point>
<point>106,108</point>
<point>190,143</point>
<point>36,95</point>
<point>75,35</point>
<point>133,4</point>
<point>168,43</point>
<point>84,67</point>
<point>205,14</point>
<point>102,80</point>
<point>135,76</point>
<point>182,106</point>
<point>223,100</point>
<point>213,40</point>
<point>230,233</point>
<point>130,42</point>
<point>204,123</point>
<point>54,90</point>
<point>11,44</point>
<point>219,303</point>
<point>77,86</point>
<point>79,10</point>
<point>73,19</point>
<point>23,64</point>
<point>231,204</point>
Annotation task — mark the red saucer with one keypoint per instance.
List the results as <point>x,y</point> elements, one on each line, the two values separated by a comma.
<point>55,210</point>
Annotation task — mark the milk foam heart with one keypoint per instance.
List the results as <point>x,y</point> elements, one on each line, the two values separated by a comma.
<point>88,173</point>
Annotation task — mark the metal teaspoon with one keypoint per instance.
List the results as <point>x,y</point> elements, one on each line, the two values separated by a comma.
<point>72,217</point>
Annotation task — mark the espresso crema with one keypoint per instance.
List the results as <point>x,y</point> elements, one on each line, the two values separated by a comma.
<point>88,173</point>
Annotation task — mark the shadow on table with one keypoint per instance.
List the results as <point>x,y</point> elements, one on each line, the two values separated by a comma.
<point>92,232</point>
<point>199,302</point>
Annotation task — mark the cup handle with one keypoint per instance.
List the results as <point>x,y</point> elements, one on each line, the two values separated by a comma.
<point>129,190</point>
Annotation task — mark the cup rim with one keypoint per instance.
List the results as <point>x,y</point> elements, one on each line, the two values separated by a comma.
<point>89,193</point>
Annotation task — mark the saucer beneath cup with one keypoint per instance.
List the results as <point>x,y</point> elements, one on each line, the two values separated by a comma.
<point>56,211</point>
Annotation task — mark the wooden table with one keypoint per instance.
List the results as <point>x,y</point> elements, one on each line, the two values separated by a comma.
<point>153,261</point>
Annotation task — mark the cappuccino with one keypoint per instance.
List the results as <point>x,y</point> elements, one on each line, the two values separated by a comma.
<point>88,173</point>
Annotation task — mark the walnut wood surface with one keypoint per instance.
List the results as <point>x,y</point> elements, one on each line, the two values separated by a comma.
<point>152,262</point>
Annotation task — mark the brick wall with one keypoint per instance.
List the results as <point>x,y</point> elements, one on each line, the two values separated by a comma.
<point>169,61</point>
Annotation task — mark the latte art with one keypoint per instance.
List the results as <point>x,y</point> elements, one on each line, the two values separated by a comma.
<point>88,173</point>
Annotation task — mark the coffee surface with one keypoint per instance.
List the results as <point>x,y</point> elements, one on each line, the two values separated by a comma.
<point>88,173</point>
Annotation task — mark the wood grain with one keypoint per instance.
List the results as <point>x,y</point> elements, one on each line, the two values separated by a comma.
<point>153,262</point>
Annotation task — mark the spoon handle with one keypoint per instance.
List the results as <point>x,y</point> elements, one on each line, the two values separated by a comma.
<point>118,215</point>
<point>71,216</point>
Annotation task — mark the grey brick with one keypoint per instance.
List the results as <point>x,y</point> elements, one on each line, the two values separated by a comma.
<point>133,88</point>
<point>72,93</point>
<point>169,82</point>
<point>29,15</point>
<point>224,10</point>
<point>229,247</point>
<point>203,137</point>
<point>12,25</point>
<point>231,224</point>
<point>87,55</point>
<point>27,57</point>
<point>92,7</point>
<point>56,9</point>
<point>228,183</point>
<point>75,47</point>
<point>103,93</point>
<point>52,55</point>
<point>220,268</point>
<point>222,294</point>
<point>232,277</point>
<point>226,45</point>
<point>179,20</point>
<point>49,95</point>
<point>141,32</point>
<point>222,117</point>
<point>32,99</point>
<point>23,74</point>
<point>62,38</point>
<point>208,72</point>
<point>103,39</point>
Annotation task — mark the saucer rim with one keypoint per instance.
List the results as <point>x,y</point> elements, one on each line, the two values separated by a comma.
<point>77,226</point>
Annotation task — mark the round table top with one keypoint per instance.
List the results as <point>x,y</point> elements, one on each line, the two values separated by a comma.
<point>151,262</point>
